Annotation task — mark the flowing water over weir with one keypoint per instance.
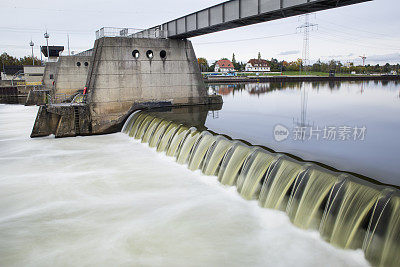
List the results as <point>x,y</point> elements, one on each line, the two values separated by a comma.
<point>347,211</point>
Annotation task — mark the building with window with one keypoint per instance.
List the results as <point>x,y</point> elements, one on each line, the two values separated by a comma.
<point>224,65</point>
<point>33,75</point>
<point>259,65</point>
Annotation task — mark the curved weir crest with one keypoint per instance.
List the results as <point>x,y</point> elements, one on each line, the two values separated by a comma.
<point>348,212</point>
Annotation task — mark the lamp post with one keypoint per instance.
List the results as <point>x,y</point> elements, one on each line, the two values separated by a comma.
<point>46,35</point>
<point>31,44</point>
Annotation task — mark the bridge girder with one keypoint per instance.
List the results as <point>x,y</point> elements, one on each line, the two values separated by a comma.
<point>238,13</point>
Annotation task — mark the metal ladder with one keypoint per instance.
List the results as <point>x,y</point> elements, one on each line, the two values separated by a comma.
<point>76,117</point>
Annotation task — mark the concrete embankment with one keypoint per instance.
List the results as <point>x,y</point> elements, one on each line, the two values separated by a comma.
<point>303,78</point>
<point>14,94</point>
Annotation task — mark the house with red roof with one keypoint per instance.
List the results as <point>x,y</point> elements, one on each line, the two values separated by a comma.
<point>224,65</point>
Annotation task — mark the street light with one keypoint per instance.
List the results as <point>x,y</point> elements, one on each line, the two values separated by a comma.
<point>31,45</point>
<point>46,35</point>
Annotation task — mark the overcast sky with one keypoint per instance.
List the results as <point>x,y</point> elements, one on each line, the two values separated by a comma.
<point>344,34</point>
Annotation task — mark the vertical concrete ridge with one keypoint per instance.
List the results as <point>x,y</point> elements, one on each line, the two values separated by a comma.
<point>93,68</point>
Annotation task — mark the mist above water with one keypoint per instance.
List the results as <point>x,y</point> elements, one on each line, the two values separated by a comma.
<point>110,200</point>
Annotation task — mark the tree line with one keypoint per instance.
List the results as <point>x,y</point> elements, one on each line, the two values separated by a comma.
<point>297,65</point>
<point>8,60</point>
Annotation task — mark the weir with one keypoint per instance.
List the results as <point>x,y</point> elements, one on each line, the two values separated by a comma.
<point>348,212</point>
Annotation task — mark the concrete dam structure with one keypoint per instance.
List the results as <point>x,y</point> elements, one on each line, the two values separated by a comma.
<point>122,74</point>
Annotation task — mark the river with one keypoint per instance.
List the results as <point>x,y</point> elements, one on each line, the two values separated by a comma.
<point>251,112</point>
<point>110,200</point>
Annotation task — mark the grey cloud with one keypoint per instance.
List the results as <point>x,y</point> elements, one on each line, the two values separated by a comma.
<point>379,59</point>
<point>291,52</point>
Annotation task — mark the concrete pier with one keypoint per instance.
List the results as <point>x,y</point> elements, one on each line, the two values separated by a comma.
<point>122,75</point>
<point>71,74</point>
<point>62,120</point>
<point>37,97</point>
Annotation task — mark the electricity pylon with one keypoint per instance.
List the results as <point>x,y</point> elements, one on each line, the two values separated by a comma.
<point>306,28</point>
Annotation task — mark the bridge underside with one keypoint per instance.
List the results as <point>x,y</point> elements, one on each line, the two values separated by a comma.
<point>238,13</point>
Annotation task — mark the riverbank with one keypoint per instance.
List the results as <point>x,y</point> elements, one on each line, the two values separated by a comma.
<point>300,78</point>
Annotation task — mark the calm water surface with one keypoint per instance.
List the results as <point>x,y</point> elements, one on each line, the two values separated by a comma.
<point>252,111</point>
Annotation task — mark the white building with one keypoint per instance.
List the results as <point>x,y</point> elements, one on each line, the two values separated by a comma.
<point>260,65</point>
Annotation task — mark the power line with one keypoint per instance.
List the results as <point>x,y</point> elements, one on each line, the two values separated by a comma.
<point>29,30</point>
<point>356,34</point>
<point>82,10</point>
<point>355,29</point>
<point>356,42</point>
<point>249,39</point>
<point>329,38</point>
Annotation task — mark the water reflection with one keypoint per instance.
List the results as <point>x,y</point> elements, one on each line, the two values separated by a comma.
<point>251,111</point>
<point>264,88</point>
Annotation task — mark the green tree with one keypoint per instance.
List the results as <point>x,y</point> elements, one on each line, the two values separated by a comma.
<point>259,55</point>
<point>28,61</point>
<point>275,65</point>
<point>7,60</point>
<point>386,68</point>
<point>203,64</point>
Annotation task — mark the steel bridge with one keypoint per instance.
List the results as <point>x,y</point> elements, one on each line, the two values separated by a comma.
<point>238,13</point>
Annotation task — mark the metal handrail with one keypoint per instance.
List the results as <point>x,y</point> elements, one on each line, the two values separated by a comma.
<point>155,33</point>
<point>15,76</point>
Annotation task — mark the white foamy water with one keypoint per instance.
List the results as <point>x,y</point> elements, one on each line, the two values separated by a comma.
<point>111,201</point>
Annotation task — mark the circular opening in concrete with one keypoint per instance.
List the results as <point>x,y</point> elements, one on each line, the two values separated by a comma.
<point>149,54</point>
<point>86,64</point>
<point>163,54</point>
<point>136,54</point>
<point>78,64</point>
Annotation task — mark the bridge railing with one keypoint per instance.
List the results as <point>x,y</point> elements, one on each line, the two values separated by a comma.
<point>131,33</point>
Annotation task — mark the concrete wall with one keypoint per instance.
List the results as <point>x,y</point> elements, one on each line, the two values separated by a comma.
<point>117,80</point>
<point>49,75</point>
<point>71,74</point>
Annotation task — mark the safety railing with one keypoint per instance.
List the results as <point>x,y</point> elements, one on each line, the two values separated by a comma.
<point>60,98</point>
<point>77,98</point>
<point>155,33</point>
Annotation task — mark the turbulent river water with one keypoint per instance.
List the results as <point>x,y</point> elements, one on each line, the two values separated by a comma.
<point>111,200</point>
